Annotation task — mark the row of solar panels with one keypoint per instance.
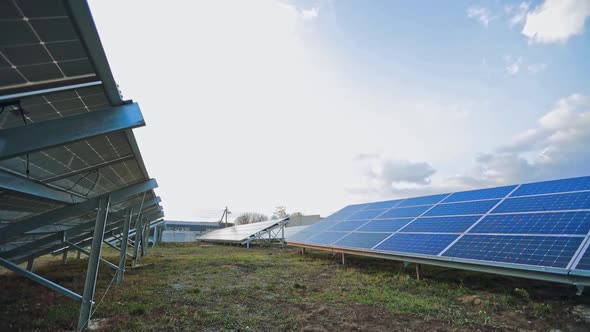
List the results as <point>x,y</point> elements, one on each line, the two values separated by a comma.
<point>66,132</point>
<point>543,226</point>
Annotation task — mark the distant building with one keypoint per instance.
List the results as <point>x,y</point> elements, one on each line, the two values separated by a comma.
<point>185,231</point>
<point>303,220</point>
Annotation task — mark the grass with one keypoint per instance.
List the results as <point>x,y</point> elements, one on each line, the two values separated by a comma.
<point>221,288</point>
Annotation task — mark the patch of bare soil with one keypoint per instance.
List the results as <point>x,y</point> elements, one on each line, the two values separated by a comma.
<point>315,317</point>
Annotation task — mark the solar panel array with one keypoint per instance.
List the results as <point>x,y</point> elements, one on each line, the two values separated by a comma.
<point>50,70</point>
<point>239,233</point>
<point>542,226</point>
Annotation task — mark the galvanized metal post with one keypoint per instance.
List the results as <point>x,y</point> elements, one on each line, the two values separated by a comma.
<point>136,240</point>
<point>64,258</point>
<point>155,241</point>
<point>343,259</point>
<point>30,263</point>
<point>144,233</point>
<point>40,280</point>
<point>78,256</point>
<point>123,255</point>
<point>93,259</point>
<point>419,272</point>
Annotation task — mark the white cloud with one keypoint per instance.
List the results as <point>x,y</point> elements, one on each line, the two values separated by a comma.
<point>556,20</point>
<point>481,14</point>
<point>536,67</point>
<point>517,13</point>
<point>386,177</point>
<point>512,64</point>
<point>556,147</point>
<point>310,14</point>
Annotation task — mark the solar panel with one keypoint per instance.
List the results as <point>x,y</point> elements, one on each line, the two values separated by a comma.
<point>349,225</point>
<point>361,240</point>
<point>422,200</point>
<point>554,186</point>
<point>405,212</point>
<point>477,207</point>
<point>384,225</point>
<point>552,251</point>
<point>68,155</point>
<point>384,204</point>
<point>442,224</point>
<point>584,263</point>
<point>537,228</point>
<point>240,233</point>
<point>556,202</point>
<point>430,244</point>
<point>366,214</point>
<point>327,237</point>
<point>536,223</point>
<point>472,195</point>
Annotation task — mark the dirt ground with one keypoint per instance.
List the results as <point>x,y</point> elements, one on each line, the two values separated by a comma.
<point>201,287</point>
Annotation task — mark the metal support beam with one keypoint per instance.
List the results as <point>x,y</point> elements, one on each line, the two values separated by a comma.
<point>43,135</point>
<point>38,279</point>
<point>22,185</point>
<point>419,272</point>
<point>72,211</point>
<point>28,89</point>
<point>136,241</point>
<point>123,255</point>
<point>30,264</point>
<point>92,271</point>
<point>88,169</point>
<point>64,258</point>
<point>87,253</point>
<point>343,259</point>
<point>86,29</point>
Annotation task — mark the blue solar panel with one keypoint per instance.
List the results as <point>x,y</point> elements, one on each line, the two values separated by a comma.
<point>346,212</point>
<point>366,214</point>
<point>384,205</point>
<point>385,225</point>
<point>361,240</point>
<point>541,225</point>
<point>301,236</point>
<point>557,202</point>
<point>552,251</point>
<point>320,226</point>
<point>433,199</point>
<point>536,223</point>
<point>584,263</point>
<point>429,244</point>
<point>555,186</point>
<point>472,195</point>
<point>349,225</point>
<point>441,224</point>
<point>405,212</point>
<point>326,237</point>
<point>477,207</point>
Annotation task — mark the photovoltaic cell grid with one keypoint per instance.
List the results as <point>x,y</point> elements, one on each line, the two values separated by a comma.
<point>54,105</point>
<point>537,224</point>
<point>44,50</point>
<point>42,44</point>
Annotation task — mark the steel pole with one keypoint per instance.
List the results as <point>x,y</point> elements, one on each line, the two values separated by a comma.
<point>93,259</point>
<point>136,241</point>
<point>123,256</point>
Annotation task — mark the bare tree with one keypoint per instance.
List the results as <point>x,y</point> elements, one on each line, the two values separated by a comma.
<point>296,214</point>
<point>250,218</point>
<point>280,213</point>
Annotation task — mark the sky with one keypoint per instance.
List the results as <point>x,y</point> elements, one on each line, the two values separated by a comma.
<point>315,105</point>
